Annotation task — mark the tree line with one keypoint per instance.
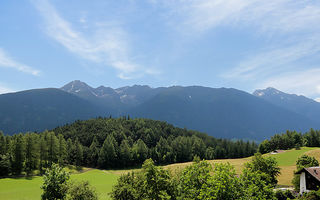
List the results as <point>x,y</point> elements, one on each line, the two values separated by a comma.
<point>199,181</point>
<point>289,140</point>
<point>112,143</point>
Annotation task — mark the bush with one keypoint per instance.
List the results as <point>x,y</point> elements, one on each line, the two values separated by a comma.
<point>151,183</point>
<point>284,195</point>
<point>81,191</point>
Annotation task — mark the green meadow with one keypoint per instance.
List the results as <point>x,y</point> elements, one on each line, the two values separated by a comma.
<point>103,180</point>
<point>29,188</point>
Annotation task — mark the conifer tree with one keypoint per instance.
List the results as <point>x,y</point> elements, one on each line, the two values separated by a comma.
<point>53,148</point>
<point>70,153</point>
<point>43,153</point>
<point>32,152</point>
<point>125,153</point>
<point>2,144</point>
<point>18,154</point>
<point>78,153</point>
<point>94,153</point>
<point>107,155</point>
<point>62,155</point>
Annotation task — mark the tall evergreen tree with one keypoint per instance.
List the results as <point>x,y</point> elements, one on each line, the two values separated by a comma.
<point>125,153</point>
<point>70,151</point>
<point>78,153</point>
<point>53,148</point>
<point>108,155</point>
<point>94,153</point>
<point>3,149</point>
<point>140,151</point>
<point>62,155</point>
<point>32,152</point>
<point>43,153</point>
<point>18,154</point>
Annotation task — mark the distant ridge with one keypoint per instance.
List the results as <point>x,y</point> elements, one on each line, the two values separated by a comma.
<point>296,103</point>
<point>220,112</point>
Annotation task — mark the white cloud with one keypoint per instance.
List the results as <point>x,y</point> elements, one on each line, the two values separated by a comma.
<point>317,99</point>
<point>108,46</point>
<point>306,82</point>
<point>268,16</point>
<point>291,28</point>
<point>4,89</point>
<point>8,62</point>
<point>274,61</point>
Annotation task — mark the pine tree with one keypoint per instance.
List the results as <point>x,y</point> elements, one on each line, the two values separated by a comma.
<point>70,151</point>
<point>94,152</point>
<point>108,155</point>
<point>43,153</point>
<point>32,152</point>
<point>53,148</point>
<point>78,153</point>
<point>62,155</point>
<point>125,153</point>
<point>140,151</point>
<point>3,149</point>
<point>18,154</point>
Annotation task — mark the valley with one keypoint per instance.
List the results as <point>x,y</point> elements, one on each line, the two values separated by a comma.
<point>103,180</point>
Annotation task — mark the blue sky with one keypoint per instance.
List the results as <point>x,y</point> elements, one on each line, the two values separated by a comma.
<point>247,44</point>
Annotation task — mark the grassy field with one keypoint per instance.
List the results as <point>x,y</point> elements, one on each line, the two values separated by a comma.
<point>286,161</point>
<point>29,188</point>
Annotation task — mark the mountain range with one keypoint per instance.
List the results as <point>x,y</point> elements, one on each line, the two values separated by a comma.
<point>220,112</point>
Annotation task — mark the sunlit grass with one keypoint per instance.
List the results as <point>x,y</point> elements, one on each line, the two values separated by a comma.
<point>29,188</point>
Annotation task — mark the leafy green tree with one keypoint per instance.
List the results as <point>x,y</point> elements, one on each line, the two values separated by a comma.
<point>223,184</point>
<point>254,185</point>
<point>151,183</point>
<point>157,183</point>
<point>193,179</point>
<point>128,187</point>
<point>267,165</point>
<point>54,183</point>
<point>264,147</point>
<point>306,161</point>
<point>81,191</point>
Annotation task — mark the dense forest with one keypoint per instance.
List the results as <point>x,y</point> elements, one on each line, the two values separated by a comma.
<point>289,140</point>
<point>113,143</point>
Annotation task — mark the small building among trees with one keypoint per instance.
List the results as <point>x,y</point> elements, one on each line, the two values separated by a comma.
<point>309,179</point>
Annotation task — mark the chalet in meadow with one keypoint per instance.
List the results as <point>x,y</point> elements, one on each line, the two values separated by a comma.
<point>309,179</point>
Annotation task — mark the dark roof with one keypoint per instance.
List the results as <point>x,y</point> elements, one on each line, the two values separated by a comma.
<point>313,171</point>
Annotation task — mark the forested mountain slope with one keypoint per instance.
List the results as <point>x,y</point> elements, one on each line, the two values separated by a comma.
<point>40,109</point>
<point>220,112</point>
